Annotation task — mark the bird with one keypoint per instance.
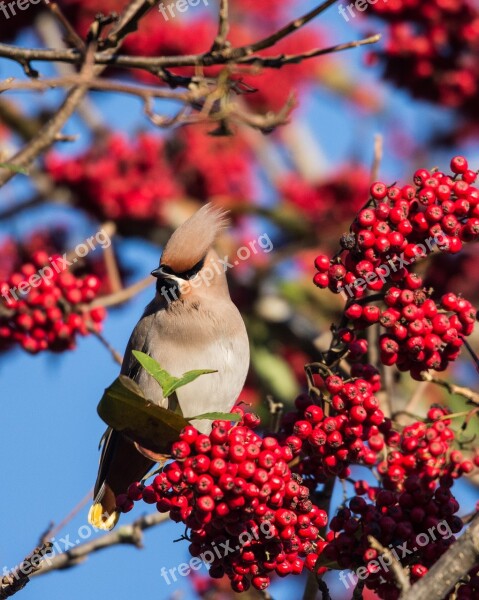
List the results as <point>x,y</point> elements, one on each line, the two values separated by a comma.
<point>191,323</point>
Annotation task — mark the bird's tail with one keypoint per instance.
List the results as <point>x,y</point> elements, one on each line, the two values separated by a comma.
<point>120,465</point>
<point>100,518</point>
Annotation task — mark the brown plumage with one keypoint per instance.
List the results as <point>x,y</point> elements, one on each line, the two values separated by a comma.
<point>190,242</point>
<point>196,328</point>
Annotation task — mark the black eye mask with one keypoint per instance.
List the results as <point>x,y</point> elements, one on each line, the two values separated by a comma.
<point>185,274</point>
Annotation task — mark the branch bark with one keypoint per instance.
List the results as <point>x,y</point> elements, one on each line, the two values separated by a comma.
<point>455,564</point>
<point>47,135</point>
<point>127,534</point>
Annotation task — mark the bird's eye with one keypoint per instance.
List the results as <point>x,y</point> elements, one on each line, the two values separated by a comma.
<point>190,274</point>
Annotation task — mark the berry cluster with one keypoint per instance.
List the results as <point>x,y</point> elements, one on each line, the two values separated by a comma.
<point>400,226</point>
<point>43,306</point>
<point>130,181</point>
<point>234,489</point>
<point>15,252</point>
<point>352,431</point>
<point>337,196</point>
<point>421,520</point>
<point>119,179</point>
<point>458,272</point>
<point>421,334</point>
<point>413,507</point>
<point>424,449</point>
<point>209,166</point>
<point>432,50</point>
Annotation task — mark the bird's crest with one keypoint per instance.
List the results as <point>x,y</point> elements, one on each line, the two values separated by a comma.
<point>192,240</point>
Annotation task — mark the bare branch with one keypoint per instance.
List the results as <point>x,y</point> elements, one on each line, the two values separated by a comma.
<point>398,571</point>
<point>223,27</point>
<point>453,565</point>
<point>117,357</point>
<point>123,295</point>
<point>71,35</point>
<point>47,135</point>
<point>96,84</point>
<point>271,40</point>
<point>276,62</point>
<point>378,157</point>
<point>17,579</point>
<point>465,392</point>
<point>126,534</point>
<point>127,23</point>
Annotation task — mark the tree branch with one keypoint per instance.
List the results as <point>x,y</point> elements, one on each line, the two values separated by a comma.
<point>123,295</point>
<point>455,564</point>
<point>17,579</point>
<point>47,135</point>
<point>127,23</point>
<point>465,392</point>
<point>398,570</point>
<point>126,534</point>
<point>223,27</point>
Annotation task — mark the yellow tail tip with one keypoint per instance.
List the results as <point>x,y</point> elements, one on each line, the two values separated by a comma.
<point>100,519</point>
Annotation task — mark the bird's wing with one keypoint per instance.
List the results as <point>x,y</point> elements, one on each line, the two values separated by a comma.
<point>120,462</point>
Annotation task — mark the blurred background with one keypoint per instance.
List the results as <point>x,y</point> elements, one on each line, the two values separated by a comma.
<point>301,185</point>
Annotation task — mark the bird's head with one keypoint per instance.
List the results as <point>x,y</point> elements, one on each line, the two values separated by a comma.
<point>189,265</point>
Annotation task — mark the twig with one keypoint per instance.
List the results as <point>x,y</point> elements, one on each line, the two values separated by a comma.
<point>271,40</point>
<point>123,295</point>
<point>17,579</point>
<point>97,85</point>
<point>223,27</point>
<point>54,529</point>
<point>276,62</point>
<point>378,157</point>
<point>126,534</point>
<point>470,349</point>
<point>398,571</point>
<point>10,114</point>
<point>152,64</point>
<point>112,269</point>
<point>117,357</point>
<point>358,591</point>
<point>47,134</point>
<point>453,565</point>
<point>275,412</point>
<point>311,588</point>
<point>314,583</point>
<point>465,392</point>
<point>109,228</point>
<point>72,35</point>
<point>127,22</point>
<point>416,398</point>
<point>50,33</point>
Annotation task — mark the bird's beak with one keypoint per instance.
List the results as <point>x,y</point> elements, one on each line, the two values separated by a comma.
<point>158,272</point>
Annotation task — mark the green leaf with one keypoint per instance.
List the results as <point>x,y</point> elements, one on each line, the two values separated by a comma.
<point>124,408</point>
<point>14,168</point>
<point>168,383</point>
<point>186,378</point>
<point>153,368</point>
<point>217,416</point>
